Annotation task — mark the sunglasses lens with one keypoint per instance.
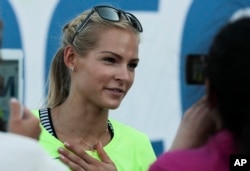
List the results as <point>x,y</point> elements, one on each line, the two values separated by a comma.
<point>111,14</point>
<point>108,13</point>
<point>134,21</point>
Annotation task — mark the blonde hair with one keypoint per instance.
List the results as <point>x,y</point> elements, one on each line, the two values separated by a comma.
<point>85,41</point>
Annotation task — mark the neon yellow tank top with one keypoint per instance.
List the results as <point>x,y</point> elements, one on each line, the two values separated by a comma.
<point>129,149</point>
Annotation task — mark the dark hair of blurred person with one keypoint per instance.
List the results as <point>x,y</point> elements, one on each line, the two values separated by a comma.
<point>218,125</point>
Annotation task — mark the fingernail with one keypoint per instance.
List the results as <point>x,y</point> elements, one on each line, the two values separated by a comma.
<point>98,144</point>
<point>66,144</point>
<point>60,149</point>
<point>62,156</point>
<point>13,99</point>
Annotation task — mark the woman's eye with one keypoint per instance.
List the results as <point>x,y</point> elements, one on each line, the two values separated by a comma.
<point>109,60</point>
<point>132,66</point>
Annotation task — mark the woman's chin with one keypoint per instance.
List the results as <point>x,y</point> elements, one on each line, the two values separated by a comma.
<point>113,106</point>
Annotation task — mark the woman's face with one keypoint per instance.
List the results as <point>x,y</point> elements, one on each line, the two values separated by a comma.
<point>104,76</point>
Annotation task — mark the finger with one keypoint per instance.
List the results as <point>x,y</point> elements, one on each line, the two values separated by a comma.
<point>201,104</point>
<point>80,153</point>
<point>14,108</point>
<point>195,110</point>
<point>102,154</point>
<point>70,164</point>
<point>27,114</point>
<point>202,100</point>
<point>72,160</point>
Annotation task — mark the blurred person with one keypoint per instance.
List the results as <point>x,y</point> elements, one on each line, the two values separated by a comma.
<point>21,121</point>
<point>219,124</point>
<point>90,74</point>
<point>19,147</point>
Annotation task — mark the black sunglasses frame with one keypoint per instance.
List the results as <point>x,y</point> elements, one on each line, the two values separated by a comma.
<point>130,17</point>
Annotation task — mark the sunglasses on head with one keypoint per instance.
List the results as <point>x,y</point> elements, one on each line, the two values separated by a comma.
<point>111,14</point>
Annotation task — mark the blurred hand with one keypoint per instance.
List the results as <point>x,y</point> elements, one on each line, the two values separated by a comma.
<point>198,124</point>
<point>24,124</point>
<point>79,160</point>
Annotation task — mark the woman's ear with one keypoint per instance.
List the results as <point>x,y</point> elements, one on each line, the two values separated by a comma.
<point>69,57</point>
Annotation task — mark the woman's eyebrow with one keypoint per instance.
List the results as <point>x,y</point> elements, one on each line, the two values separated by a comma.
<point>112,53</point>
<point>119,56</point>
